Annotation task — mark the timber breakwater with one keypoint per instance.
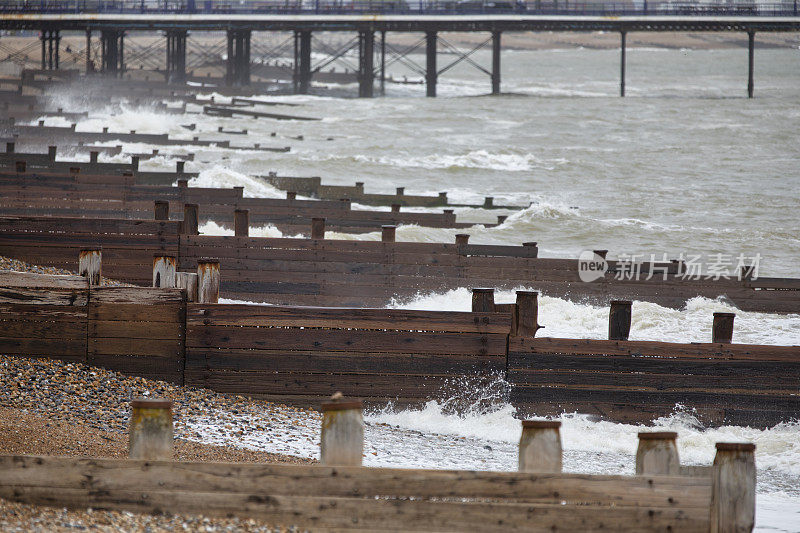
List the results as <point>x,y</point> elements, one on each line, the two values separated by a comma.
<point>294,296</point>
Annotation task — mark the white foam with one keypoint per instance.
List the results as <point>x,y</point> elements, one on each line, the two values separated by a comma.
<point>222,177</point>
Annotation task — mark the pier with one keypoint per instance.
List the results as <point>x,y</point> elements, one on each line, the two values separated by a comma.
<point>113,21</point>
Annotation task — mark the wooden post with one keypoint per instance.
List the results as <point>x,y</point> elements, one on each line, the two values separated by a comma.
<point>534,245</point>
<point>501,219</point>
<point>317,228</point>
<point>183,183</point>
<point>10,146</point>
<point>180,166</point>
<point>90,265</point>
<point>93,155</point>
<point>395,208</point>
<point>291,195</point>
<point>150,432</point>
<point>135,163</point>
<point>342,440</point>
<point>483,300</point>
<point>722,329</point>
<point>462,238</point>
<point>161,210</point>
<point>526,319</point>
<point>239,189</point>
<point>208,281</point>
<point>619,320</point>
<point>188,281</point>
<point>400,191</point>
<point>540,446</point>
<point>388,233</point>
<point>657,454</point>
<point>488,201</point>
<point>164,267</point>
<point>241,222</point>
<point>51,153</point>
<point>190,225</point>
<point>22,166</point>
<point>601,253</point>
<point>733,488</point>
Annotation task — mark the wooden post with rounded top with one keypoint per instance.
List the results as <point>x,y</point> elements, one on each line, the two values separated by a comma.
<point>164,267</point>
<point>388,233</point>
<point>342,440</point>
<point>733,488</point>
<point>540,446</point>
<point>722,329</point>
<point>534,245</point>
<point>241,222</point>
<point>150,431</point>
<point>483,300</point>
<point>657,454</point>
<point>161,210</point>
<point>207,281</point>
<point>190,224</point>
<point>526,317</point>
<point>90,265</point>
<point>317,228</point>
<point>619,320</point>
<point>187,281</point>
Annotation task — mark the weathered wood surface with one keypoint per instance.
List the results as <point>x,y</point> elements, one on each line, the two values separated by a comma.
<point>350,498</point>
<point>41,320</point>
<point>138,330</point>
<point>638,380</point>
<point>370,353</point>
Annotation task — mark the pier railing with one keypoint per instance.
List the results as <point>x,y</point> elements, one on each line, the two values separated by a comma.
<point>400,7</point>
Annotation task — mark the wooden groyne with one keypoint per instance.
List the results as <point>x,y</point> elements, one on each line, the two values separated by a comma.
<point>342,495</point>
<point>301,354</point>
<point>326,272</point>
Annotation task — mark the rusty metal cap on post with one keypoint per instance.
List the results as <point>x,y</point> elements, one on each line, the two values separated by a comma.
<point>541,424</point>
<point>658,435</point>
<point>154,403</point>
<point>736,446</point>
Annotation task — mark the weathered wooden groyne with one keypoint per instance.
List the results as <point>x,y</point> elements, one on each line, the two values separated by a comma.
<point>340,494</point>
<point>302,354</point>
<point>319,271</point>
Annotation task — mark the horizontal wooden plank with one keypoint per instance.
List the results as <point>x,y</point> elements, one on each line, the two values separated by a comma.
<point>342,362</point>
<point>41,281</point>
<point>75,298</point>
<point>134,346</point>
<point>549,345</point>
<point>143,312</point>
<point>38,347</point>
<point>287,339</point>
<point>44,329</point>
<point>361,318</point>
<point>136,330</point>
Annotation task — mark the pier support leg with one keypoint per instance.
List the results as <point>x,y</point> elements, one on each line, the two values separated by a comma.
<point>113,62</point>
<point>366,67</point>
<point>176,56</point>
<point>496,62</point>
<point>237,70</point>
<point>43,39</point>
<point>57,43</point>
<point>89,67</point>
<point>751,47</point>
<point>383,63</point>
<point>302,62</point>
<point>622,36</point>
<point>431,74</point>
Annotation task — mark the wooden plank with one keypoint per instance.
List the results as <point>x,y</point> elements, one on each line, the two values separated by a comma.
<point>395,319</point>
<point>42,281</point>
<point>317,480</point>
<point>342,362</point>
<point>135,330</point>
<point>143,312</point>
<point>345,340</point>
<point>548,345</point>
<point>74,298</point>
<point>167,348</point>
